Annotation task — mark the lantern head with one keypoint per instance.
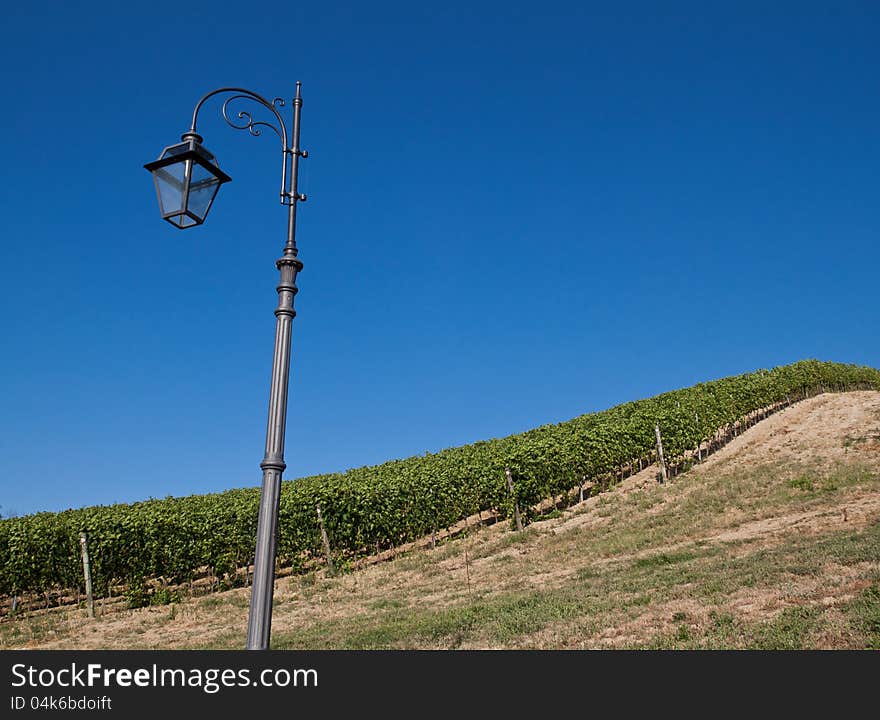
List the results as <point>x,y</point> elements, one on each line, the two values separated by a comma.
<point>187,179</point>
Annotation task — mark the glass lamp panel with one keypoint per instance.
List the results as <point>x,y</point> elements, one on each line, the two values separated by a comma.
<point>170,187</point>
<point>202,189</point>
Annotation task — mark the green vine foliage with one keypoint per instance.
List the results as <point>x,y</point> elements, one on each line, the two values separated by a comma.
<point>177,539</point>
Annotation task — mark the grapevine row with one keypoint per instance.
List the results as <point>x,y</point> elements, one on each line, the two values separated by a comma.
<point>375,507</point>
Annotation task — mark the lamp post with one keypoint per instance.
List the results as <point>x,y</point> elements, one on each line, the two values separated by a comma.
<point>187,179</point>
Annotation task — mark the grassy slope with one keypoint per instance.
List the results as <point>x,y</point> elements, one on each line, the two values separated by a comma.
<point>774,542</point>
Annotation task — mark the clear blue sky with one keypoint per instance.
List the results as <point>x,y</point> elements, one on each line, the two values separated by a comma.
<point>517,213</point>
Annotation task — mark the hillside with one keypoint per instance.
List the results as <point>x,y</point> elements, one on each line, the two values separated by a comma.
<point>771,542</point>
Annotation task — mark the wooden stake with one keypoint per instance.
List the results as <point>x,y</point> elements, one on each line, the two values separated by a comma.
<point>519,525</point>
<point>467,562</point>
<point>664,475</point>
<point>324,539</point>
<point>87,572</point>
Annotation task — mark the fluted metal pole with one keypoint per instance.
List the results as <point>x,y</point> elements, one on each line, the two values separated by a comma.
<point>260,617</point>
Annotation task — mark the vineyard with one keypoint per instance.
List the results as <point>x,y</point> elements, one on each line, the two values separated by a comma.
<point>371,508</point>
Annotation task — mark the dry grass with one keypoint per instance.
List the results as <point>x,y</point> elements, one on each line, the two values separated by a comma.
<point>774,541</point>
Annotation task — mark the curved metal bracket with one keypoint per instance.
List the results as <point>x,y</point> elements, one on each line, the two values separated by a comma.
<point>245,120</point>
<point>250,125</point>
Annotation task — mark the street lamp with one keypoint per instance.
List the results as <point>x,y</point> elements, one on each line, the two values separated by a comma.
<point>187,178</point>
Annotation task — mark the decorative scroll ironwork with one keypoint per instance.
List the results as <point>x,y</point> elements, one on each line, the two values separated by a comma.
<point>249,124</point>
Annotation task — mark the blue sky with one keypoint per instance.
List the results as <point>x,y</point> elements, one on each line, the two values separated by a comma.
<point>517,213</point>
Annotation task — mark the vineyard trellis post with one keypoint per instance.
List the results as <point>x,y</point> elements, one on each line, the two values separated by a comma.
<point>664,475</point>
<point>87,572</point>
<point>467,562</point>
<point>510,487</point>
<point>326,542</point>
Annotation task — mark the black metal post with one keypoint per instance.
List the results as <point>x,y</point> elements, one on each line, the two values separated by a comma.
<point>260,616</point>
<point>289,265</point>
